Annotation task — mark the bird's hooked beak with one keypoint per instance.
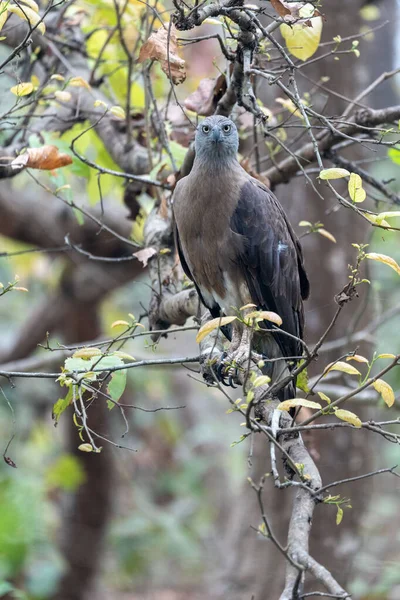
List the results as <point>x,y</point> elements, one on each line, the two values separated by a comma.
<point>216,135</point>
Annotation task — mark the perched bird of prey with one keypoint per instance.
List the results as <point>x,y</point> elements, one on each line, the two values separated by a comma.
<point>237,246</point>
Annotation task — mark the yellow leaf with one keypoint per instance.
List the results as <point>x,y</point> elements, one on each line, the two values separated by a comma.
<point>212,21</point>
<point>124,355</point>
<point>85,448</point>
<point>358,358</point>
<point>370,12</point>
<point>211,325</point>
<point>248,306</point>
<point>35,82</point>
<point>79,82</point>
<point>58,77</point>
<point>87,353</point>
<point>327,234</point>
<point>261,380</point>
<point>27,14</point>
<point>267,315</point>
<point>386,215</point>
<point>63,187</point>
<point>21,289</point>
<point>376,220</point>
<point>62,96</point>
<point>339,515</point>
<point>22,89</point>
<point>349,417</point>
<point>100,103</point>
<point>386,356</point>
<point>3,18</point>
<point>302,40</point>
<point>342,366</point>
<point>334,173</point>
<point>290,106</point>
<point>288,404</point>
<point>356,190</point>
<point>118,112</point>
<point>32,4</point>
<point>305,224</point>
<point>385,390</point>
<point>386,260</point>
<point>120,323</point>
<point>324,397</point>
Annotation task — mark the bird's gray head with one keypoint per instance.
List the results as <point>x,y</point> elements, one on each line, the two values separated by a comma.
<point>216,136</point>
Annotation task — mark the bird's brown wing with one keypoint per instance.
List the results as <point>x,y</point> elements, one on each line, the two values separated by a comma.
<point>272,261</point>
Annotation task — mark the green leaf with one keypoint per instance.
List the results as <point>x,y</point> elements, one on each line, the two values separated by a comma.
<point>377,220</point>
<point>339,515</point>
<point>302,381</point>
<point>394,155</point>
<point>178,152</point>
<point>370,12</point>
<point>61,405</point>
<point>105,362</point>
<point>261,380</point>
<point>66,473</point>
<point>116,387</point>
<point>334,173</point>
<point>387,215</point>
<point>324,397</point>
<point>5,588</point>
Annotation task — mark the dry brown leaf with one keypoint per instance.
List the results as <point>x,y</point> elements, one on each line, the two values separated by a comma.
<point>204,100</point>
<point>156,48</point>
<point>245,163</point>
<point>145,255</point>
<point>280,8</point>
<point>46,158</point>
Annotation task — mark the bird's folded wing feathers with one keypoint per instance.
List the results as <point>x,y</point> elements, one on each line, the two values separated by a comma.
<point>271,260</point>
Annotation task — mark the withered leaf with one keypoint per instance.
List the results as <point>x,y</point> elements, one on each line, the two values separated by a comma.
<point>204,100</point>
<point>290,11</point>
<point>9,461</point>
<point>280,8</point>
<point>46,158</point>
<point>145,255</point>
<point>156,47</point>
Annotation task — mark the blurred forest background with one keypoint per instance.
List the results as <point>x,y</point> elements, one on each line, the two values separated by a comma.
<point>170,519</point>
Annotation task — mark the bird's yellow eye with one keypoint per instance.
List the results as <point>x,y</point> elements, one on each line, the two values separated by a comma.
<point>206,129</point>
<point>226,128</point>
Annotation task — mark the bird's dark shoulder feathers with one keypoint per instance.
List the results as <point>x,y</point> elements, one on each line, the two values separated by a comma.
<point>272,260</point>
